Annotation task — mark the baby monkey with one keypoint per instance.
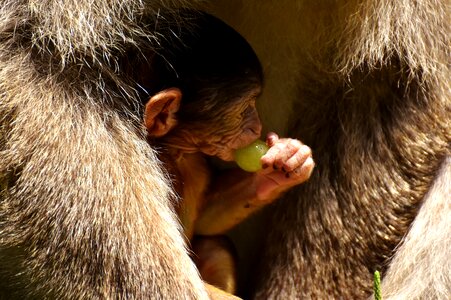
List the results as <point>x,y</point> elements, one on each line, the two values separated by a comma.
<point>203,103</point>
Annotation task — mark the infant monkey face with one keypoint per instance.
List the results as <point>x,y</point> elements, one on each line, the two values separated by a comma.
<point>239,126</point>
<point>251,125</point>
<point>225,151</point>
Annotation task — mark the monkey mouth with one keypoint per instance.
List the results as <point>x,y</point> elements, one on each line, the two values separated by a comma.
<point>225,152</point>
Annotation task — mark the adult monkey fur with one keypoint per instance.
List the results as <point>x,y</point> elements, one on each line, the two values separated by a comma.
<point>85,212</point>
<point>369,81</point>
<point>369,87</point>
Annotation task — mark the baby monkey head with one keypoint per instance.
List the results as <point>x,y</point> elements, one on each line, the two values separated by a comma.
<point>203,98</point>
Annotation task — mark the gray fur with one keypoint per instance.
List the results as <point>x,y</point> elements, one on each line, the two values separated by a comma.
<point>85,209</point>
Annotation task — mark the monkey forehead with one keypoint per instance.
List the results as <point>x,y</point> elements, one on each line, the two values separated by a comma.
<point>207,103</point>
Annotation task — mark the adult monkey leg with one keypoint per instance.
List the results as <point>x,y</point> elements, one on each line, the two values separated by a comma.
<point>370,82</point>
<point>85,206</point>
<point>426,248</point>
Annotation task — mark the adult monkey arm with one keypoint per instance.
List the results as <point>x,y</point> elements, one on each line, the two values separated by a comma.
<point>84,215</point>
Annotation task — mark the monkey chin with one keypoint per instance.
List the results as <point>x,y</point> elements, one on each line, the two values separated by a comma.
<point>225,154</point>
<point>222,152</point>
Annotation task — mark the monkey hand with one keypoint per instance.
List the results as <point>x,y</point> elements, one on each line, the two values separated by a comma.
<point>287,163</point>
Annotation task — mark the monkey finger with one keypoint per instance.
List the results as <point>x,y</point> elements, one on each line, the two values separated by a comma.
<point>269,158</point>
<point>302,173</point>
<point>289,148</point>
<point>271,138</point>
<point>298,158</point>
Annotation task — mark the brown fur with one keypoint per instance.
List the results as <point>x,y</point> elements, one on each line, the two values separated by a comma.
<point>85,208</point>
<point>367,87</point>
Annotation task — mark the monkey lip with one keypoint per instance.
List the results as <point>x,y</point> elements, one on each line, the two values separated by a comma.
<point>245,139</point>
<point>225,151</point>
<point>227,154</point>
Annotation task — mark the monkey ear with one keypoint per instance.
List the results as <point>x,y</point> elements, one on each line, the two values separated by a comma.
<point>159,113</point>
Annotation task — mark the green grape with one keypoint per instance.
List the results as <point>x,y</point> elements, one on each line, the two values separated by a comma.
<point>248,158</point>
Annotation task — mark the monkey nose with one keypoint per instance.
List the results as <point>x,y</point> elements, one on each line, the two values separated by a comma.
<point>256,130</point>
<point>251,134</point>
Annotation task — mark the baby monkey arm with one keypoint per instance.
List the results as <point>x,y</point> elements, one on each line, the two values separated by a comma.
<point>236,194</point>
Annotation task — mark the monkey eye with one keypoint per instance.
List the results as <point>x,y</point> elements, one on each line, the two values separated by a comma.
<point>248,110</point>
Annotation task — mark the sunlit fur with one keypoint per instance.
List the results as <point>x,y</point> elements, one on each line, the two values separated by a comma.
<point>366,85</point>
<point>85,207</point>
<point>424,252</point>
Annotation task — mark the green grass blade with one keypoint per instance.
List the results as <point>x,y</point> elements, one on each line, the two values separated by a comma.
<point>377,286</point>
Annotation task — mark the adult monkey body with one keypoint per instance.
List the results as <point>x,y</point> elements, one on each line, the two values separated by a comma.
<point>85,214</point>
<point>382,140</point>
<point>370,82</point>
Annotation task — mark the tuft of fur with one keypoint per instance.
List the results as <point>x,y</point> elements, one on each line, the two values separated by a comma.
<point>426,274</point>
<point>86,209</point>
<point>91,30</point>
<point>366,85</point>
